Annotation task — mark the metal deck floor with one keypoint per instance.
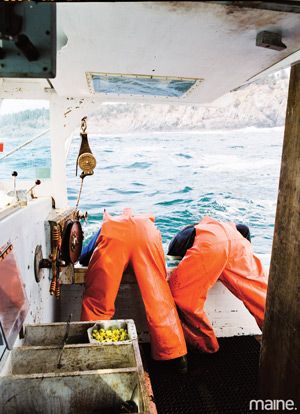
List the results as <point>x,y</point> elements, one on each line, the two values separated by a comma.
<point>221,383</point>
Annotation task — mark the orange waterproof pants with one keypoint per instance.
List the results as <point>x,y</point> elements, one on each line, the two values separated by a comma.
<point>219,252</point>
<point>134,239</point>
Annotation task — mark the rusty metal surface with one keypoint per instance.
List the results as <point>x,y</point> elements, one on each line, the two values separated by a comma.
<point>74,393</point>
<point>66,237</point>
<point>39,360</point>
<point>53,333</point>
<point>98,378</point>
<point>75,242</point>
<point>279,6</point>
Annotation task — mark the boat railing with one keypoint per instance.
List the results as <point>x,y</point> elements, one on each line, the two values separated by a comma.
<point>13,196</point>
<point>19,147</point>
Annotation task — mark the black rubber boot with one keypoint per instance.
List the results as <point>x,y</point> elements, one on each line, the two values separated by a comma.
<point>176,365</point>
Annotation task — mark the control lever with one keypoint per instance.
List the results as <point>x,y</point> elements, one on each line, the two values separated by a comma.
<point>38,182</point>
<point>19,195</point>
<point>14,175</point>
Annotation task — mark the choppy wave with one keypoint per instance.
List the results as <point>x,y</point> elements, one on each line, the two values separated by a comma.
<point>186,189</point>
<point>229,175</point>
<point>179,177</point>
<point>187,156</point>
<point>140,165</point>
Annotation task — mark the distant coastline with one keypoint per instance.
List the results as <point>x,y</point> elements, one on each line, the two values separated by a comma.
<point>261,104</point>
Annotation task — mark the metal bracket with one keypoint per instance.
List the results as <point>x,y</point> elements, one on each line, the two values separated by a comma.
<point>40,263</point>
<point>270,40</point>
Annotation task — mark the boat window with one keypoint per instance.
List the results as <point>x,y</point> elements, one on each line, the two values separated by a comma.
<point>24,139</point>
<point>140,85</point>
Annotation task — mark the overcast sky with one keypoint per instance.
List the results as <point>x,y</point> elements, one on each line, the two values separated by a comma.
<point>16,105</point>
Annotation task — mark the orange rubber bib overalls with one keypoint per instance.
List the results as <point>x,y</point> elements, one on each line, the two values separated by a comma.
<point>219,252</point>
<point>134,239</point>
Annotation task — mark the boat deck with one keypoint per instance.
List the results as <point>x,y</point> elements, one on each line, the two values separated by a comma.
<point>219,383</point>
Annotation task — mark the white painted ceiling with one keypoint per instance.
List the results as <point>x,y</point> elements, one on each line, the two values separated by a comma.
<point>205,40</point>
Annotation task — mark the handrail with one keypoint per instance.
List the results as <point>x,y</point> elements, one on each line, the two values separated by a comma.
<point>24,144</point>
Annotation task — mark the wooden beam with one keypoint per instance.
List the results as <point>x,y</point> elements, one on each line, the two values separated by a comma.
<point>280,353</point>
<point>76,275</point>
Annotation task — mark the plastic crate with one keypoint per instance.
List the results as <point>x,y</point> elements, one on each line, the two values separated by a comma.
<point>127,324</point>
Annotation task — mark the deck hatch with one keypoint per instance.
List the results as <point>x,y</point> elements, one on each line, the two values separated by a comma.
<point>145,85</point>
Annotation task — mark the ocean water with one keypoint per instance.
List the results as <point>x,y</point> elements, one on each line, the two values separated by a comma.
<point>29,160</point>
<point>181,177</point>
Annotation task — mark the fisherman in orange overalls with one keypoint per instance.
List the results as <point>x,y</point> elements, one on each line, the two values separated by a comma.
<point>134,239</point>
<point>216,251</point>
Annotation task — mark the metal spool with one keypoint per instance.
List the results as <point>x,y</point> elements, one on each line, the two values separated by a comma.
<point>72,241</point>
<point>87,162</point>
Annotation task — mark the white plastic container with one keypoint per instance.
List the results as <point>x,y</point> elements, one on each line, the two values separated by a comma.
<point>127,324</point>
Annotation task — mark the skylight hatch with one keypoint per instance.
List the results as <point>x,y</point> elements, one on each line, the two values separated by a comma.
<point>146,85</point>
